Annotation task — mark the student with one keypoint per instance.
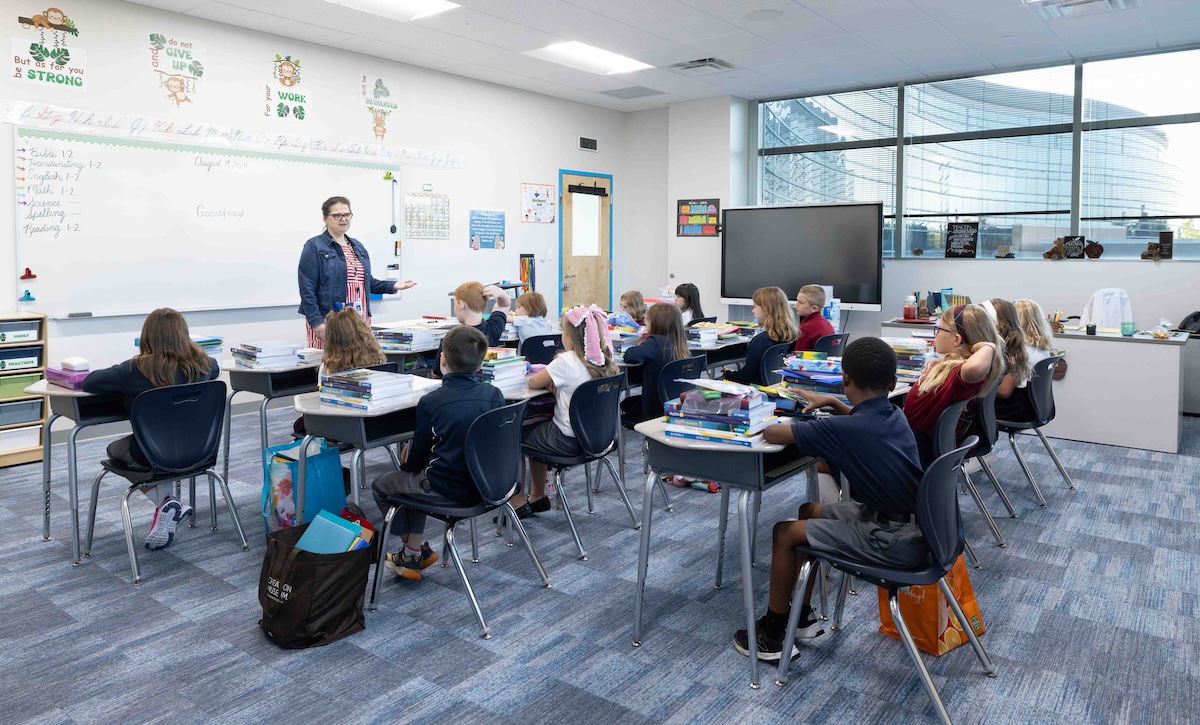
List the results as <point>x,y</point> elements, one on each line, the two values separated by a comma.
<point>870,444</point>
<point>633,310</point>
<point>687,299</point>
<point>810,300</point>
<point>432,464</point>
<point>970,361</point>
<point>665,341</point>
<point>470,300</point>
<point>1038,339</point>
<point>771,311</point>
<point>529,316</point>
<point>587,354</point>
<point>1017,370</point>
<point>166,356</point>
<point>349,343</point>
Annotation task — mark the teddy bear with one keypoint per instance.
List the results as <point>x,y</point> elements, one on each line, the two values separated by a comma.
<point>1152,251</point>
<point>1058,251</point>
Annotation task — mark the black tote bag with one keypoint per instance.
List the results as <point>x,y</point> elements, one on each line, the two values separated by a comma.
<point>310,599</point>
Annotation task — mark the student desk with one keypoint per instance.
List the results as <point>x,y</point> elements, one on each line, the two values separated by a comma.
<point>399,356</point>
<point>270,383</point>
<point>721,352</point>
<point>84,409</point>
<point>751,470</point>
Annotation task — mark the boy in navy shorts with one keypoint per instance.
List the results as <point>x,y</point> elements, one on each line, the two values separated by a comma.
<point>872,446</point>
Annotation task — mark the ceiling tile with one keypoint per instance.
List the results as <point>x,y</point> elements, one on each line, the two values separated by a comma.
<point>692,26</point>
<point>467,23</point>
<point>175,6</point>
<point>766,54</point>
<point>1114,32</point>
<point>754,15</point>
<point>888,15</point>
<point>739,41</point>
<point>928,48</point>
<point>938,9</point>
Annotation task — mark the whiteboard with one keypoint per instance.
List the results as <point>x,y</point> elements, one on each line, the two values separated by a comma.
<point>116,226</point>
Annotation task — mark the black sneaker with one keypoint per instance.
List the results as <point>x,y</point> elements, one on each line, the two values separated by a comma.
<point>540,506</point>
<point>770,645</point>
<point>809,627</point>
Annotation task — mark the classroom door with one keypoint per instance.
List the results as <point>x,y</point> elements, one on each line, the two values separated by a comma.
<point>586,234</point>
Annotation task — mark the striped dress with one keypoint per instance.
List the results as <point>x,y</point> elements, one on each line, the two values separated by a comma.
<point>356,292</point>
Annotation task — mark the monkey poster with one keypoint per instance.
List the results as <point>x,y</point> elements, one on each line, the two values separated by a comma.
<point>284,96</point>
<point>176,64</point>
<point>376,97</point>
<point>45,51</point>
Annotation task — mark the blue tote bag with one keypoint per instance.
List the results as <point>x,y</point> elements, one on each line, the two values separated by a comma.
<point>323,488</point>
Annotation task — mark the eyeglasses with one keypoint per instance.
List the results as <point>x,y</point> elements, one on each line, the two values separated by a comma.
<point>942,329</point>
<point>341,217</point>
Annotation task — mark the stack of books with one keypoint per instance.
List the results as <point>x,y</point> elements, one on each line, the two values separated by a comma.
<point>911,356</point>
<point>271,354</point>
<point>747,327</point>
<point>212,346</point>
<point>407,339</point>
<point>504,368</point>
<point>364,389</point>
<point>331,534</point>
<point>701,336</point>
<point>720,412</point>
<point>624,338</point>
<point>310,354</point>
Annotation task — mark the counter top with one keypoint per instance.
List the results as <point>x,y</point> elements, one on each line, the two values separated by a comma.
<point>1176,338</point>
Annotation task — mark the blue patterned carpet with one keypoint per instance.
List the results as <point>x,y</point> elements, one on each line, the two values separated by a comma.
<point>1091,614</point>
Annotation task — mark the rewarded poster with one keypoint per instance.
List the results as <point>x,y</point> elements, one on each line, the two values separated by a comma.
<point>284,96</point>
<point>487,229</point>
<point>698,217</point>
<point>178,67</point>
<point>44,50</point>
<point>538,202</point>
<point>376,97</point>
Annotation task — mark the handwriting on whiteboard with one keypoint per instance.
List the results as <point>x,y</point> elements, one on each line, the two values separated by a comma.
<point>46,179</point>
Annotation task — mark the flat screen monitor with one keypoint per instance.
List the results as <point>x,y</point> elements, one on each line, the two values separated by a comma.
<point>791,246</point>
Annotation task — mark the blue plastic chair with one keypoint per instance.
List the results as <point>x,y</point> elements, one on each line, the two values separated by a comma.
<point>1041,395</point>
<point>594,413</point>
<point>832,345</point>
<point>493,454</point>
<point>945,439</point>
<point>940,523</point>
<point>773,360</point>
<point>178,428</point>
<point>541,349</point>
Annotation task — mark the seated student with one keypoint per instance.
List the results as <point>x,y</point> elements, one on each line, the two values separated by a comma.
<point>771,311</point>
<point>529,316</point>
<point>665,341</point>
<point>971,360</point>
<point>432,462</point>
<point>1038,345</point>
<point>810,300</point>
<point>470,300</point>
<point>687,299</point>
<point>873,447</point>
<point>587,354</point>
<point>349,344</point>
<point>633,310</point>
<point>166,356</point>
<point>1017,370</point>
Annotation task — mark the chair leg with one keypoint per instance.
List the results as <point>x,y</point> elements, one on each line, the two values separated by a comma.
<point>474,541</point>
<point>537,563</point>
<point>722,526</point>
<point>233,514</point>
<point>395,459</point>
<point>987,515</point>
<point>356,474</point>
<point>587,486</point>
<point>645,457</point>
<point>1054,457</point>
<point>838,608</point>
<point>915,654</point>
<point>980,652</point>
<point>789,634</point>
<point>562,497</point>
<point>87,549</point>
<point>1012,441</point>
<point>192,502</point>
<point>662,487</point>
<point>970,551</point>
<point>128,523</point>
<point>754,528</point>
<point>382,543</point>
<point>1012,514</point>
<point>462,574</point>
<point>212,502</point>
<point>637,525</point>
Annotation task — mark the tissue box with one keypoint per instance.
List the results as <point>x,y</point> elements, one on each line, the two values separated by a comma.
<point>72,379</point>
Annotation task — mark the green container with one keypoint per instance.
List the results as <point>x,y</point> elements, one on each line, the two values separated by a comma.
<point>13,386</point>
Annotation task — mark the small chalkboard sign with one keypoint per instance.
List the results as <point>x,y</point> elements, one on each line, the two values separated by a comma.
<point>962,239</point>
<point>1166,245</point>
<point>1074,245</point>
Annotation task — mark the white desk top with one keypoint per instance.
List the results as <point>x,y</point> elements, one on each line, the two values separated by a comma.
<point>310,403</point>
<point>418,324</point>
<point>45,387</point>
<point>230,366</point>
<point>655,429</point>
<point>1176,338</point>
<point>525,392</point>
<point>720,345</point>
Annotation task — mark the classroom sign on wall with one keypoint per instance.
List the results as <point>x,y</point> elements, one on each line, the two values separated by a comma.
<point>45,50</point>
<point>177,64</point>
<point>697,217</point>
<point>376,97</point>
<point>487,229</point>
<point>962,239</point>
<point>285,98</point>
<point>538,202</point>
<point>426,215</point>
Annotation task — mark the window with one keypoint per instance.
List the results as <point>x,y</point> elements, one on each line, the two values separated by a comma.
<point>1004,100</point>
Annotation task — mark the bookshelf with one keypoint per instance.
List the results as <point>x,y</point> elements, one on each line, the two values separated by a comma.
<point>22,417</point>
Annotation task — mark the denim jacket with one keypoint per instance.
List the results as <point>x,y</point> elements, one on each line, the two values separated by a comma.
<point>322,277</point>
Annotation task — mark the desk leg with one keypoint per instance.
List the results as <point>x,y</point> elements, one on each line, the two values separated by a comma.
<point>748,583</point>
<point>46,475</point>
<point>73,492</point>
<point>643,557</point>
<point>262,429</point>
<point>228,423</point>
<point>301,464</point>
<point>355,474</point>
<point>754,528</point>
<point>721,528</point>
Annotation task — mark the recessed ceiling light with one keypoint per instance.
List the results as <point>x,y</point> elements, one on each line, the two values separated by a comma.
<point>588,57</point>
<point>764,14</point>
<point>405,10</point>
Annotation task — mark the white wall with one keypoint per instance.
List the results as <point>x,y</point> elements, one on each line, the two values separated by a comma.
<point>641,200</point>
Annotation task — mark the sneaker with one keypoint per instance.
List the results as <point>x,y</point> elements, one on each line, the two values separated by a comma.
<point>809,627</point>
<point>409,566</point>
<point>770,645</point>
<point>540,506</point>
<point>167,517</point>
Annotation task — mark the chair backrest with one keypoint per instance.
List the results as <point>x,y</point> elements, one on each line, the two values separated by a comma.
<point>701,319</point>
<point>387,367</point>
<point>937,506</point>
<point>178,427</point>
<point>493,452</point>
<point>595,408</point>
<point>1041,389</point>
<point>541,349</point>
<point>832,345</point>
<point>685,368</point>
<point>773,360</point>
<point>985,423</point>
<point>945,432</point>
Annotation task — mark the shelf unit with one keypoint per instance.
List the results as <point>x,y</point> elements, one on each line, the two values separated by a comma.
<point>29,454</point>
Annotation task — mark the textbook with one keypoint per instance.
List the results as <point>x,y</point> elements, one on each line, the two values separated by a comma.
<point>330,534</point>
<point>743,441</point>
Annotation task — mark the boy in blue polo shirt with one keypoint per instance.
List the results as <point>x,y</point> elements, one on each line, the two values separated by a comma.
<point>432,464</point>
<point>872,445</point>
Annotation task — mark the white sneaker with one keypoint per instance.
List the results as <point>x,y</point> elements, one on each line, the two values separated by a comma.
<point>167,517</point>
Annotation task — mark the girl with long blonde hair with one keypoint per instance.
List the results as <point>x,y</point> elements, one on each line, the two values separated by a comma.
<point>772,310</point>
<point>1038,345</point>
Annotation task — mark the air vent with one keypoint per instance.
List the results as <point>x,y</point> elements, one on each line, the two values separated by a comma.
<point>703,66</point>
<point>587,144</point>
<point>1064,9</point>
<point>632,92</point>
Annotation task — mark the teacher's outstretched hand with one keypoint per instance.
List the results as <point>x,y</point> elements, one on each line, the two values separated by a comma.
<point>335,268</point>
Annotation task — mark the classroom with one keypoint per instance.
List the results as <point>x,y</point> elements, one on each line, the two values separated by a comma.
<point>641,361</point>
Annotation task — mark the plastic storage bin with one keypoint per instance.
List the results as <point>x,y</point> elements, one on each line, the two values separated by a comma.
<point>20,358</point>
<point>13,386</point>
<point>19,331</point>
<point>19,438</point>
<point>22,411</point>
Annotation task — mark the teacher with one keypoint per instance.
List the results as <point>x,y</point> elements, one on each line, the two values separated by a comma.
<point>334,268</point>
